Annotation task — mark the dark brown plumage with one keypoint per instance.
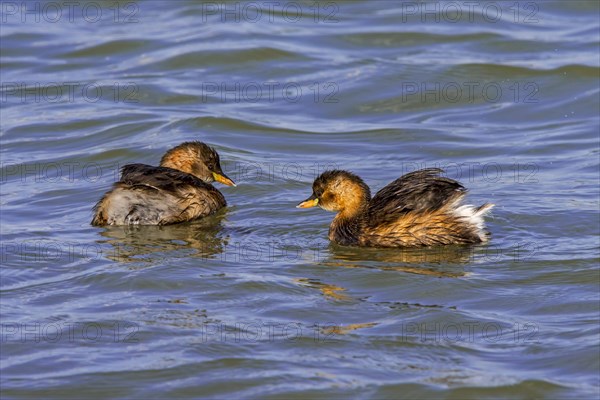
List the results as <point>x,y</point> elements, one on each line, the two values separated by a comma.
<point>418,209</point>
<point>178,190</point>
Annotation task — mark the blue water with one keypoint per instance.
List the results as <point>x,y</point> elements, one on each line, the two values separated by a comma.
<point>255,302</point>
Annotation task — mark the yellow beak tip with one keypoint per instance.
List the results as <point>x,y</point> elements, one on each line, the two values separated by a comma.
<point>223,179</point>
<point>308,203</point>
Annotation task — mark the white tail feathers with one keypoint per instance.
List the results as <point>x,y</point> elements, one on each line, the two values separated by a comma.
<point>484,209</point>
<point>474,216</point>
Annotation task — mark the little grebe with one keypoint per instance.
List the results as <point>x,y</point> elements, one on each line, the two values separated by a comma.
<point>420,208</point>
<point>178,190</point>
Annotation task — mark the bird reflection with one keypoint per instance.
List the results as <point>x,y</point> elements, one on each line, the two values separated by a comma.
<point>439,262</point>
<point>134,243</point>
<point>448,261</point>
<point>329,291</point>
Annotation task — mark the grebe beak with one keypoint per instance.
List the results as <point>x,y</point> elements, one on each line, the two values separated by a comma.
<point>222,178</point>
<point>312,201</point>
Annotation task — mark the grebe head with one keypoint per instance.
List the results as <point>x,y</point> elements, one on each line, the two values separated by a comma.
<point>198,159</point>
<point>338,191</point>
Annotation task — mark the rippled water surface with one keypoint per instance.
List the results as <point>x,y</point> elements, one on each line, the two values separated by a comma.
<point>254,302</point>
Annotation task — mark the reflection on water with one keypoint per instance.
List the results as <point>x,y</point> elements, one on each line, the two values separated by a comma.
<point>134,243</point>
<point>333,292</point>
<point>329,291</point>
<point>345,329</point>
<point>449,261</point>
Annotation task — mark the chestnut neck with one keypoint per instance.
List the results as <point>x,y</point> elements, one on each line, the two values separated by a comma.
<point>179,161</point>
<point>346,225</point>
